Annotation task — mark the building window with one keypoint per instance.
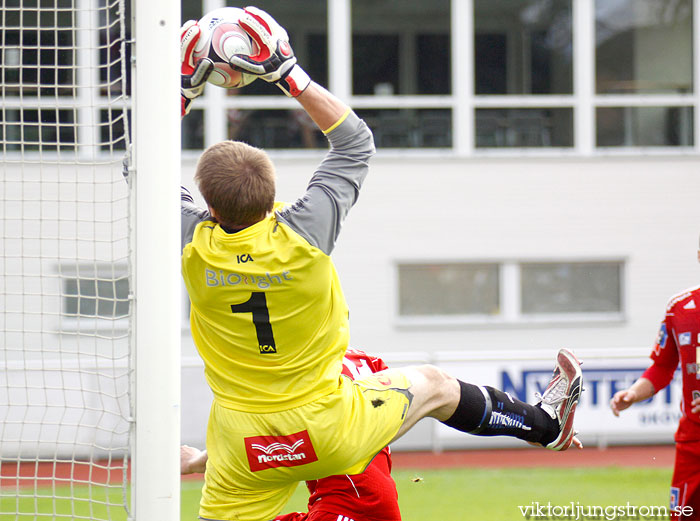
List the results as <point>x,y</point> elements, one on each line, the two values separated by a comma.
<point>275,128</point>
<point>644,46</point>
<point>401,47</point>
<point>192,130</point>
<point>644,126</point>
<point>523,47</point>
<point>191,10</point>
<point>38,129</point>
<point>571,287</point>
<point>104,294</point>
<point>394,64</point>
<point>38,50</point>
<point>111,48</point>
<point>409,128</point>
<point>510,292</point>
<point>112,131</point>
<point>524,127</point>
<point>448,289</point>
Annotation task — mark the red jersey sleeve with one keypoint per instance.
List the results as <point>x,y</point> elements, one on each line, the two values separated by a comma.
<point>357,364</point>
<point>664,357</point>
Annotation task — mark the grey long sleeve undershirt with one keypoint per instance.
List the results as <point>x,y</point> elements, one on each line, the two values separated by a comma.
<point>334,188</point>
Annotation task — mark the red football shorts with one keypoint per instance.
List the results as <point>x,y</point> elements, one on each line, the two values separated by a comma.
<point>685,484</point>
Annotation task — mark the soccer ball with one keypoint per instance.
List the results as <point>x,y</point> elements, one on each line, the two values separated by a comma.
<point>222,37</point>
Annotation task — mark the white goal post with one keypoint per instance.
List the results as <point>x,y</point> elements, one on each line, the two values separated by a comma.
<point>156,494</point>
<point>90,289</point>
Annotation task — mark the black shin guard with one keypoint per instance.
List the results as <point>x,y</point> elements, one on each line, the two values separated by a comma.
<point>473,411</point>
<point>486,411</point>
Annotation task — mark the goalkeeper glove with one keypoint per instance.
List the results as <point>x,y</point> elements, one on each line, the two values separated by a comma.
<point>193,77</point>
<point>275,62</point>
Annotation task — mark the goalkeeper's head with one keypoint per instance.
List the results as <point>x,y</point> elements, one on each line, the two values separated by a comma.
<point>238,183</point>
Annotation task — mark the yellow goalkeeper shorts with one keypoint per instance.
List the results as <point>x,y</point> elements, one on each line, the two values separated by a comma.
<point>256,460</point>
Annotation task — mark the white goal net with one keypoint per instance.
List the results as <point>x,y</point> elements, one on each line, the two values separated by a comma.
<point>66,276</point>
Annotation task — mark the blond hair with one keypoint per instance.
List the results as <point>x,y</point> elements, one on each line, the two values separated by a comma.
<point>237,181</point>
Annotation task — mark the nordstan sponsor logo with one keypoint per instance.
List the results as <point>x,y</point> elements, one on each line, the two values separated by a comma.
<point>267,458</point>
<point>266,452</point>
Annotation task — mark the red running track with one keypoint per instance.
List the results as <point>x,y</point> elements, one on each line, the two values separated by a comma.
<point>627,456</point>
<point>47,473</point>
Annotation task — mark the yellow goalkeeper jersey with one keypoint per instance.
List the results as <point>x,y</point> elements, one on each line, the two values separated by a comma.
<point>268,314</point>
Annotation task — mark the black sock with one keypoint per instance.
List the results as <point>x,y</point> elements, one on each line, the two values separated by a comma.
<point>486,411</point>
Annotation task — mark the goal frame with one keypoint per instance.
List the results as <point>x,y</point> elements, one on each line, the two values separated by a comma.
<point>155,238</point>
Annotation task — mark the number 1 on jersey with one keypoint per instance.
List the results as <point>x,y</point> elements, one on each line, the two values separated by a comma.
<point>257,305</point>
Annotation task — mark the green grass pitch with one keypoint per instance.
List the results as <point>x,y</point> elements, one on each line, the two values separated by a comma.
<point>460,494</point>
<point>466,494</point>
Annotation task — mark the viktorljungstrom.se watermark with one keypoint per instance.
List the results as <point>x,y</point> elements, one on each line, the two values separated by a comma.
<point>575,511</point>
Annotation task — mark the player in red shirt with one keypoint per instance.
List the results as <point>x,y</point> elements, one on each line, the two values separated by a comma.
<point>370,496</point>
<point>678,342</point>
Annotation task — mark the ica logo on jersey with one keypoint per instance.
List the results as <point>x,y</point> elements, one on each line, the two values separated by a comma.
<point>244,258</point>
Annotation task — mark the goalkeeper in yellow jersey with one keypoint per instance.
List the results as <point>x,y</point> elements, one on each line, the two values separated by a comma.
<point>270,321</point>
